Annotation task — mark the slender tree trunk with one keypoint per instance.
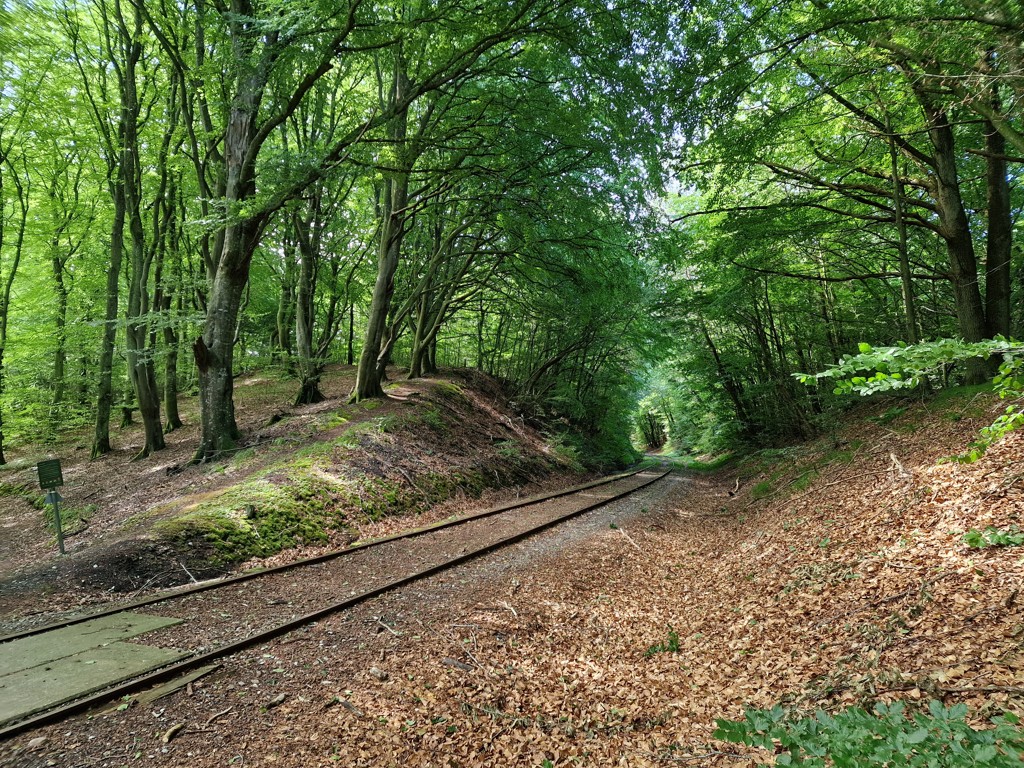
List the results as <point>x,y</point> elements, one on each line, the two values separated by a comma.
<point>141,365</point>
<point>12,270</point>
<point>60,354</point>
<point>286,308</point>
<point>1000,236</point>
<point>105,386</point>
<point>732,387</point>
<point>350,353</point>
<point>173,417</point>
<point>172,307</point>
<point>906,278</point>
<point>481,318</point>
<point>420,342</point>
<point>395,198</point>
<point>309,363</point>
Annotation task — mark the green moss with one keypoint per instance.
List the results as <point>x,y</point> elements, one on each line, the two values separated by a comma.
<point>761,490</point>
<point>696,465</point>
<point>24,491</point>
<point>448,388</point>
<point>804,480</point>
<point>335,420</point>
<point>281,508</point>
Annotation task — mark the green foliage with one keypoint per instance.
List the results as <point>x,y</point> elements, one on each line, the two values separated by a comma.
<point>887,736</point>
<point>885,369</point>
<point>712,465</point>
<point>994,537</point>
<point>671,644</point>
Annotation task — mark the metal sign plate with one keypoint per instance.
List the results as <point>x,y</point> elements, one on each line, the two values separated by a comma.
<point>50,475</point>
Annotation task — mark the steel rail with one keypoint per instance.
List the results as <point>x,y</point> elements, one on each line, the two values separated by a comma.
<point>255,573</point>
<point>177,668</point>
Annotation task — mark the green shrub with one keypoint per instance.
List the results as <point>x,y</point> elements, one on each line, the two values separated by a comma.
<point>994,537</point>
<point>887,736</point>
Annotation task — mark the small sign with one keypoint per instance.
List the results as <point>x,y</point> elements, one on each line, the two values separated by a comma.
<point>50,475</point>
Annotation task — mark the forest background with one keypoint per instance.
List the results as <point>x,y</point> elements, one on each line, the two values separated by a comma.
<point>642,216</point>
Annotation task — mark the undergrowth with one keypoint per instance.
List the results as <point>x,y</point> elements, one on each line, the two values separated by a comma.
<point>886,736</point>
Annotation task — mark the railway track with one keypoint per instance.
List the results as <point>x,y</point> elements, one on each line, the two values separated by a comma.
<point>216,619</point>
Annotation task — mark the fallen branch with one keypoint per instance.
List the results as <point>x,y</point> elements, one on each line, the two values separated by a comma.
<point>454,644</point>
<point>171,732</point>
<point>630,540</point>
<point>210,720</point>
<point>396,634</point>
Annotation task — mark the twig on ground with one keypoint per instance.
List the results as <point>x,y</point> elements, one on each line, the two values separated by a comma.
<point>396,634</point>
<point>210,720</point>
<point>454,644</point>
<point>187,571</point>
<point>630,540</point>
<point>925,585</point>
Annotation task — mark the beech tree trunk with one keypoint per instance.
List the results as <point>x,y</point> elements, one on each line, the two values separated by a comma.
<point>954,227</point>
<point>395,198</point>
<point>12,270</point>
<point>1000,236</point>
<point>229,272</point>
<point>214,353</point>
<point>310,365</point>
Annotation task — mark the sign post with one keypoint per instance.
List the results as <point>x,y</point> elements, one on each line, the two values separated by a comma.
<point>50,479</point>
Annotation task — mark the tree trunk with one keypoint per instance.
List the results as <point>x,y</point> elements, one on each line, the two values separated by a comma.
<point>172,307</point>
<point>309,364</point>
<point>214,354</point>
<point>906,279</point>
<point>394,200</point>
<point>350,350</point>
<point>173,418</point>
<point>140,357</point>
<point>12,270</point>
<point>60,354</point>
<point>732,387</point>
<point>1000,236</point>
<point>229,273</point>
<point>105,387</point>
<point>286,306</point>
<point>955,229</point>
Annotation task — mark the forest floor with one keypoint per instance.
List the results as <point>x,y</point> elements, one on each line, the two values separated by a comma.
<point>829,574</point>
<point>306,479</point>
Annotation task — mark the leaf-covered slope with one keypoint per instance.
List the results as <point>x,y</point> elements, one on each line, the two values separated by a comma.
<point>853,587</point>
